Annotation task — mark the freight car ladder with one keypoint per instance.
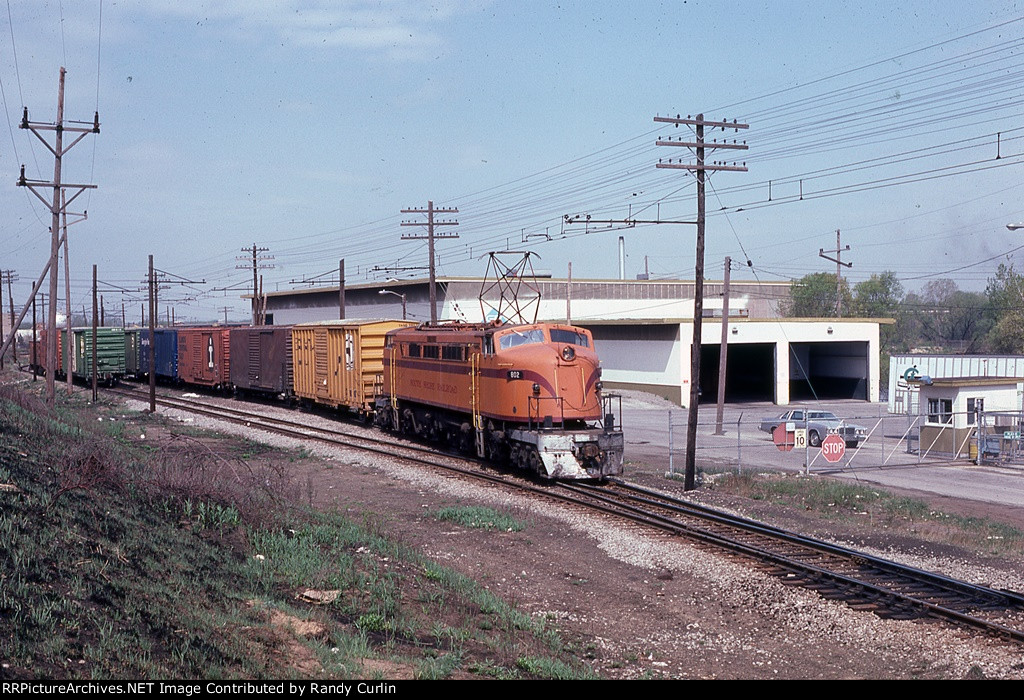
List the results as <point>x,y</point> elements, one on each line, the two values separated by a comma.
<point>474,383</point>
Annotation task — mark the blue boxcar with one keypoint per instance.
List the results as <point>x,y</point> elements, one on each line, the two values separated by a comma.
<point>166,353</point>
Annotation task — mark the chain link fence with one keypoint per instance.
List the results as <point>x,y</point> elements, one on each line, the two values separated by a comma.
<point>870,438</point>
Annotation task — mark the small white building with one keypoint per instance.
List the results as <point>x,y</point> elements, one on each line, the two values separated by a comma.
<point>903,369</point>
<point>951,406</point>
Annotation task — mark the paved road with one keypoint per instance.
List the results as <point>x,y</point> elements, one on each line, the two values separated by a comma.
<point>884,459</point>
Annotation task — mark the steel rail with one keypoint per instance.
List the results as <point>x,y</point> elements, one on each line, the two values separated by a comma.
<point>877,594</point>
<point>1002,597</point>
<point>191,404</point>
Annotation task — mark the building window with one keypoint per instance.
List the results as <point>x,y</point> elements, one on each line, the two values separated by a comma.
<point>974,407</point>
<point>940,410</point>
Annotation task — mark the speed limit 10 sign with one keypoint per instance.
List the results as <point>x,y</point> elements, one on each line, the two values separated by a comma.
<point>833,448</point>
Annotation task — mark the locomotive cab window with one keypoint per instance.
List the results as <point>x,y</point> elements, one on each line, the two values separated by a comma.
<point>413,350</point>
<point>562,335</point>
<point>430,351</point>
<point>516,338</point>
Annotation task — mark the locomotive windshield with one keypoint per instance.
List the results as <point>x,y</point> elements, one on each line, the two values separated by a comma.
<point>561,335</point>
<point>516,338</point>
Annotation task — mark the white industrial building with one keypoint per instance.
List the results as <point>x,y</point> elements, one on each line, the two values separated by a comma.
<point>643,330</point>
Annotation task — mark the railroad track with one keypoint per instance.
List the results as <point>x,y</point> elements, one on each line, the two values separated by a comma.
<point>862,581</point>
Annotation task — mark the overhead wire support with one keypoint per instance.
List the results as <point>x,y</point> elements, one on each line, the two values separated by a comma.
<point>431,236</point>
<point>700,146</point>
<point>257,265</point>
<point>624,222</point>
<point>57,204</point>
<point>838,260</point>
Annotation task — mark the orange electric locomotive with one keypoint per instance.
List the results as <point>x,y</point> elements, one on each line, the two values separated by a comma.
<point>527,394</point>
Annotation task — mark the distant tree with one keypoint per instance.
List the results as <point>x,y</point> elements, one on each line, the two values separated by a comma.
<point>877,297</point>
<point>909,329</point>
<point>952,319</point>
<point>1005,294</point>
<point>814,296</point>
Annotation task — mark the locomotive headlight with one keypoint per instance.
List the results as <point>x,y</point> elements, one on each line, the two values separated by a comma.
<point>536,389</point>
<point>568,353</point>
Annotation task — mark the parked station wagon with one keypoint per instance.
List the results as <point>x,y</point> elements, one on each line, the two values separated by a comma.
<point>818,424</point>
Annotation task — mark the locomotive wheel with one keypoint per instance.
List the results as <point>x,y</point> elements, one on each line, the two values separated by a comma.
<point>408,422</point>
<point>497,447</point>
<point>535,463</point>
<point>465,438</point>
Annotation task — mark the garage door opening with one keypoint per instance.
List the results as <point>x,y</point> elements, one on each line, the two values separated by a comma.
<point>828,371</point>
<point>750,373</point>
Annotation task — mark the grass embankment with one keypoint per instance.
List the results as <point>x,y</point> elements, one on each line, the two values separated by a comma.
<point>176,557</point>
<point>844,502</point>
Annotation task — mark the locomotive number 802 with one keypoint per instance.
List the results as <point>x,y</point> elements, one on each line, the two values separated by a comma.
<point>527,394</point>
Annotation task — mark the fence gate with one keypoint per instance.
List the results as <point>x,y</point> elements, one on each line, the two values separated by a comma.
<point>999,437</point>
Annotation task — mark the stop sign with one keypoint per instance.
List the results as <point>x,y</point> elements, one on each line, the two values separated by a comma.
<point>783,439</point>
<point>833,447</point>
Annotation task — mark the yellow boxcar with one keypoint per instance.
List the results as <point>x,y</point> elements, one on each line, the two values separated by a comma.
<point>341,362</point>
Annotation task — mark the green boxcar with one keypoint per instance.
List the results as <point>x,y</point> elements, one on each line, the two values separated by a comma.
<point>110,353</point>
<point>131,353</point>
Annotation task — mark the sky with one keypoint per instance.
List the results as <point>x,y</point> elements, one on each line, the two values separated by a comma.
<point>306,126</point>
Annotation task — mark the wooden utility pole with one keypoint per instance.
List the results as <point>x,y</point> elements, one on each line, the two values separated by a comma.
<point>723,349</point>
<point>341,288</point>
<point>95,320</point>
<point>35,341</point>
<point>256,260</point>
<point>431,224</point>
<point>2,344</point>
<point>69,354</point>
<point>838,260</point>
<point>56,206</point>
<point>699,146</point>
<point>568,298</point>
<point>12,276</point>
<point>152,338</point>
<point>263,305</point>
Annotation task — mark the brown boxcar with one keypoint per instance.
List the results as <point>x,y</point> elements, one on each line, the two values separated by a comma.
<point>204,356</point>
<point>261,359</point>
<point>341,363</point>
<point>37,353</point>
